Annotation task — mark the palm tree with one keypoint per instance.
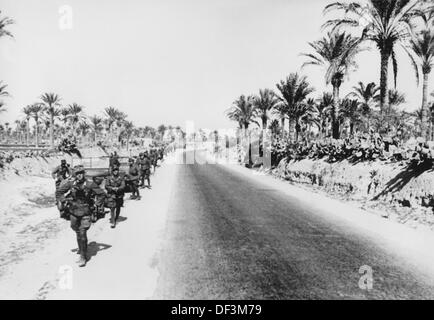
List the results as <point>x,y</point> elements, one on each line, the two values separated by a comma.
<point>396,98</point>
<point>336,52</point>
<point>112,115</point>
<point>350,111</point>
<point>324,107</point>
<point>28,113</point>
<point>386,23</point>
<point>75,115</point>
<point>265,103</point>
<point>422,57</point>
<point>367,95</point>
<point>52,101</point>
<point>83,128</point>
<point>35,110</point>
<point>310,116</point>
<point>64,115</point>
<point>4,22</point>
<point>96,125</point>
<point>3,93</point>
<point>294,91</point>
<point>243,111</point>
<point>128,129</point>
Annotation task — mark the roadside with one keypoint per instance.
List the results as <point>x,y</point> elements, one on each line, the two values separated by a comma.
<point>123,261</point>
<point>413,245</point>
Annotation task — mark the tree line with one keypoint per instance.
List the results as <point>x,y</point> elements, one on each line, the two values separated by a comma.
<point>388,25</point>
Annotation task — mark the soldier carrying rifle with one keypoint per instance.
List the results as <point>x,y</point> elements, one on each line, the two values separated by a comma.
<point>78,194</point>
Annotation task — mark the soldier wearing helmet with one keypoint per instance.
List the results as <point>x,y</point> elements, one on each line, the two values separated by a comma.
<point>133,179</point>
<point>81,195</point>
<point>115,186</point>
<point>61,172</point>
<point>145,169</point>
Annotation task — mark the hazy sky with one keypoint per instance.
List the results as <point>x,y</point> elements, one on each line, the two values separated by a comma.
<point>167,61</point>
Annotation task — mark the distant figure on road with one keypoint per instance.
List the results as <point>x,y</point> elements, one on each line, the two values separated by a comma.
<point>80,194</point>
<point>114,161</point>
<point>115,186</point>
<point>145,169</point>
<point>133,179</point>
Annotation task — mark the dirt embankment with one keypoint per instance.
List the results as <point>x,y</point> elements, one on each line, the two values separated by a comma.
<point>393,190</point>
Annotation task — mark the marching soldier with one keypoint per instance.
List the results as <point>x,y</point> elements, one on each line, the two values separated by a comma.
<point>61,172</point>
<point>154,159</point>
<point>115,186</point>
<point>145,169</point>
<point>80,194</point>
<point>133,179</point>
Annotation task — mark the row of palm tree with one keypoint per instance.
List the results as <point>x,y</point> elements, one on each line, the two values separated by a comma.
<point>57,121</point>
<point>408,24</point>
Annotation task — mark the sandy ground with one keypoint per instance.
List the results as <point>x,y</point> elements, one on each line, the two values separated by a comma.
<point>123,260</point>
<point>37,249</point>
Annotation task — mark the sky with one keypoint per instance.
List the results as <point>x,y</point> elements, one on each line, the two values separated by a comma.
<point>167,61</point>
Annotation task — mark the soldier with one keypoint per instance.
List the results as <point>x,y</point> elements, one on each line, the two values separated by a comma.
<point>115,186</point>
<point>145,169</point>
<point>113,161</point>
<point>161,154</point>
<point>133,179</point>
<point>80,194</point>
<point>61,172</point>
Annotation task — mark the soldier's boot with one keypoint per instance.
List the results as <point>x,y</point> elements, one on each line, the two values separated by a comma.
<point>83,255</point>
<point>118,212</point>
<point>83,244</point>
<point>133,196</point>
<point>112,218</point>
<point>79,244</point>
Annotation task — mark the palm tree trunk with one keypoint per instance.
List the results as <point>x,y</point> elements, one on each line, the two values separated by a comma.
<point>37,132</point>
<point>28,132</point>
<point>384,72</point>
<point>335,122</point>
<point>297,130</point>
<point>52,130</point>
<point>282,121</point>
<point>424,120</point>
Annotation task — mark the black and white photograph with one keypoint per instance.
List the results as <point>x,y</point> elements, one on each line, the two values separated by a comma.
<point>216,150</point>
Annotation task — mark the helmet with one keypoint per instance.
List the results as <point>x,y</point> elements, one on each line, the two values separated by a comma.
<point>131,160</point>
<point>78,169</point>
<point>115,168</point>
<point>141,154</point>
<point>63,161</point>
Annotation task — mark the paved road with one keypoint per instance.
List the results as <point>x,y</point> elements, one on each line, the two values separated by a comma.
<point>228,237</point>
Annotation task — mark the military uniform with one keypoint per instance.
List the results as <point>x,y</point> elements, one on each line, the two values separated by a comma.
<point>145,170</point>
<point>61,173</point>
<point>80,195</point>
<point>133,179</point>
<point>115,186</point>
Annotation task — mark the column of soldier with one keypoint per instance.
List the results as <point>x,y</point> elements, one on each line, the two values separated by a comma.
<point>83,201</point>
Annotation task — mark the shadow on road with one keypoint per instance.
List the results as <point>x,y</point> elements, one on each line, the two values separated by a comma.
<point>93,248</point>
<point>121,219</point>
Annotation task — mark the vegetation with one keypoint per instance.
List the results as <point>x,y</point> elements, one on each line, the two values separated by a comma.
<point>368,108</point>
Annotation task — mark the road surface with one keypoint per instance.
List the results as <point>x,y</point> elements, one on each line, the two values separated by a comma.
<point>231,237</point>
<point>223,232</point>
